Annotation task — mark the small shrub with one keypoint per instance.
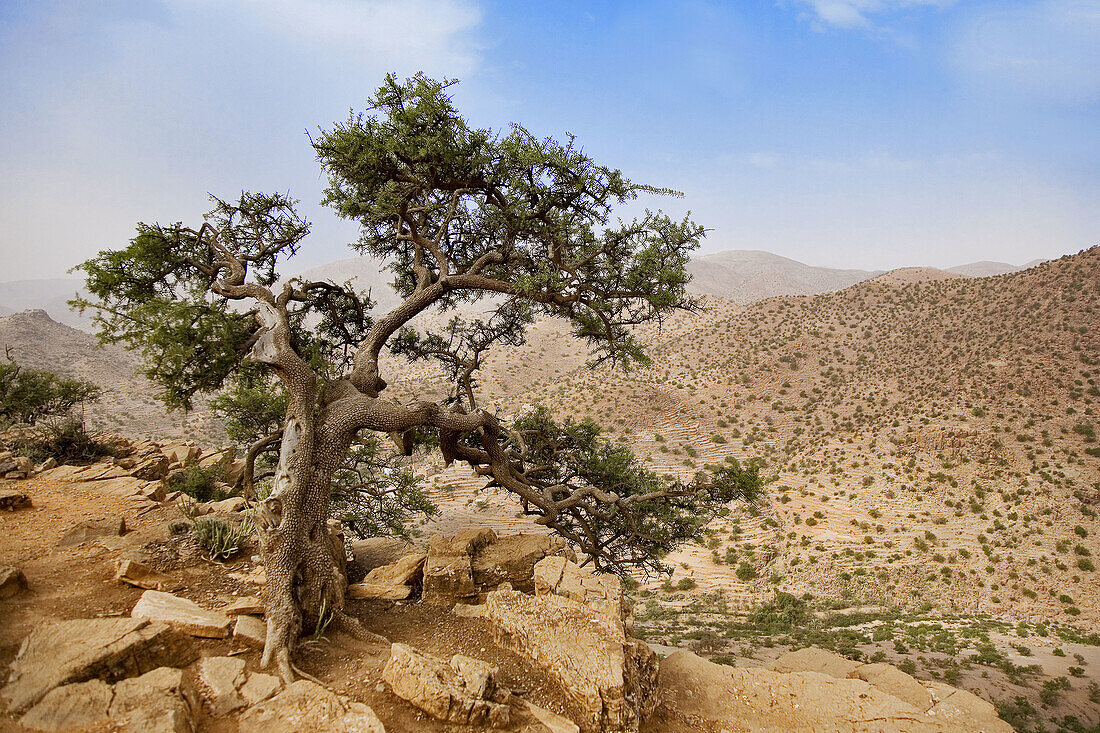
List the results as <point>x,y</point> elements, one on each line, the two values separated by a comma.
<point>221,539</point>
<point>200,483</point>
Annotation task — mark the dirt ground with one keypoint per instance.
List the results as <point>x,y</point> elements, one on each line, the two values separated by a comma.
<point>77,582</point>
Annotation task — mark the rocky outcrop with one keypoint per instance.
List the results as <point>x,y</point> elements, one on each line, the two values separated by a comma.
<point>306,706</point>
<point>560,577</point>
<point>110,649</point>
<point>448,569</point>
<point>160,701</point>
<point>700,695</point>
<point>610,676</point>
<point>465,691</point>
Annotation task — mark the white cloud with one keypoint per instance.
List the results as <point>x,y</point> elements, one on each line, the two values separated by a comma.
<point>1046,51</point>
<point>861,13</point>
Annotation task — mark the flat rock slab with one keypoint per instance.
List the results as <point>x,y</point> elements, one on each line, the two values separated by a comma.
<point>88,531</point>
<point>12,582</point>
<point>140,575</point>
<point>56,653</point>
<point>182,614</point>
<point>306,706</point>
<point>250,630</point>
<point>249,605</point>
<point>79,705</point>
<point>221,678</point>
<point>12,500</point>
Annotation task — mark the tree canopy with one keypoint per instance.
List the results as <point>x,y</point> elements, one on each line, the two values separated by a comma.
<point>459,214</point>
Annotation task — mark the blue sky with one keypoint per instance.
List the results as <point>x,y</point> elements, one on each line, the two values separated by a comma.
<point>850,133</point>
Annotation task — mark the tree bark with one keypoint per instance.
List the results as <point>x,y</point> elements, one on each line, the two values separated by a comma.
<point>305,567</point>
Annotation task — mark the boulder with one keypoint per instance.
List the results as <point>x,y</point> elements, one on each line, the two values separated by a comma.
<point>465,691</point>
<point>558,576</point>
<point>12,582</point>
<point>512,559</point>
<point>161,701</point>
<point>62,652</point>
<point>812,659</point>
<point>374,552</point>
<point>11,500</point>
<point>88,531</point>
<point>701,695</point>
<point>611,677</point>
<point>893,681</point>
<point>153,468</point>
<point>182,614</point>
<point>180,453</point>
<point>24,465</point>
<point>129,486</point>
<point>448,579</point>
<point>260,687</point>
<point>466,542</point>
<point>448,570</point>
<point>394,582</point>
<point>306,706</point>
<point>227,506</point>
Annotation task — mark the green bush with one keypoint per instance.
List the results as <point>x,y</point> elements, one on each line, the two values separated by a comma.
<point>65,441</point>
<point>200,483</point>
<point>745,571</point>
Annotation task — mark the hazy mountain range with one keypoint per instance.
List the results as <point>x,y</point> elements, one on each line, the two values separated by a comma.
<point>742,276</point>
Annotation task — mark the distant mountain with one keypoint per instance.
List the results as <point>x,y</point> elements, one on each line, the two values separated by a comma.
<point>50,295</point>
<point>745,276</point>
<point>38,341</point>
<point>985,268</point>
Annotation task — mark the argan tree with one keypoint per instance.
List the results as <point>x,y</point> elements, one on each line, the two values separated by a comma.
<point>459,215</point>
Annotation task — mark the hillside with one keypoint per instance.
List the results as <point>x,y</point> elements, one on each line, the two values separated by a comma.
<point>51,295</point>
<point>932,440</point>
<point>744,276</point>
<point>127,404</point>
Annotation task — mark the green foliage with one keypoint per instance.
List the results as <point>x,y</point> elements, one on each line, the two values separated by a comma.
<point>375,494</point>
<point>66,441</point>
<point>156,294</point>
<point>783,611</point>
<point>544,206</point>
<point>198,482</point>
<point>28,395</point>
<point>574,458</point>
<point>222,540</point>
<point>252,406</point>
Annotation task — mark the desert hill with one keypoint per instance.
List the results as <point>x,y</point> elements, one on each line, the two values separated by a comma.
<point>744,276</point>
<point>51,295</point>
<point>38,341</point>
<point>932,440</point>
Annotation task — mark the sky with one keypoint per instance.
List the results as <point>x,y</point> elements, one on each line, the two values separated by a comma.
<point>846,133</point>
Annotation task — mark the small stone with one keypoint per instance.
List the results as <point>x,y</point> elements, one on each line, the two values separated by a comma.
<point>181,614</point>
<point>88,531</point>
<point>250,630</point>
<point>139,575</point>
<point>12,500</point>
<point>12,582</point>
